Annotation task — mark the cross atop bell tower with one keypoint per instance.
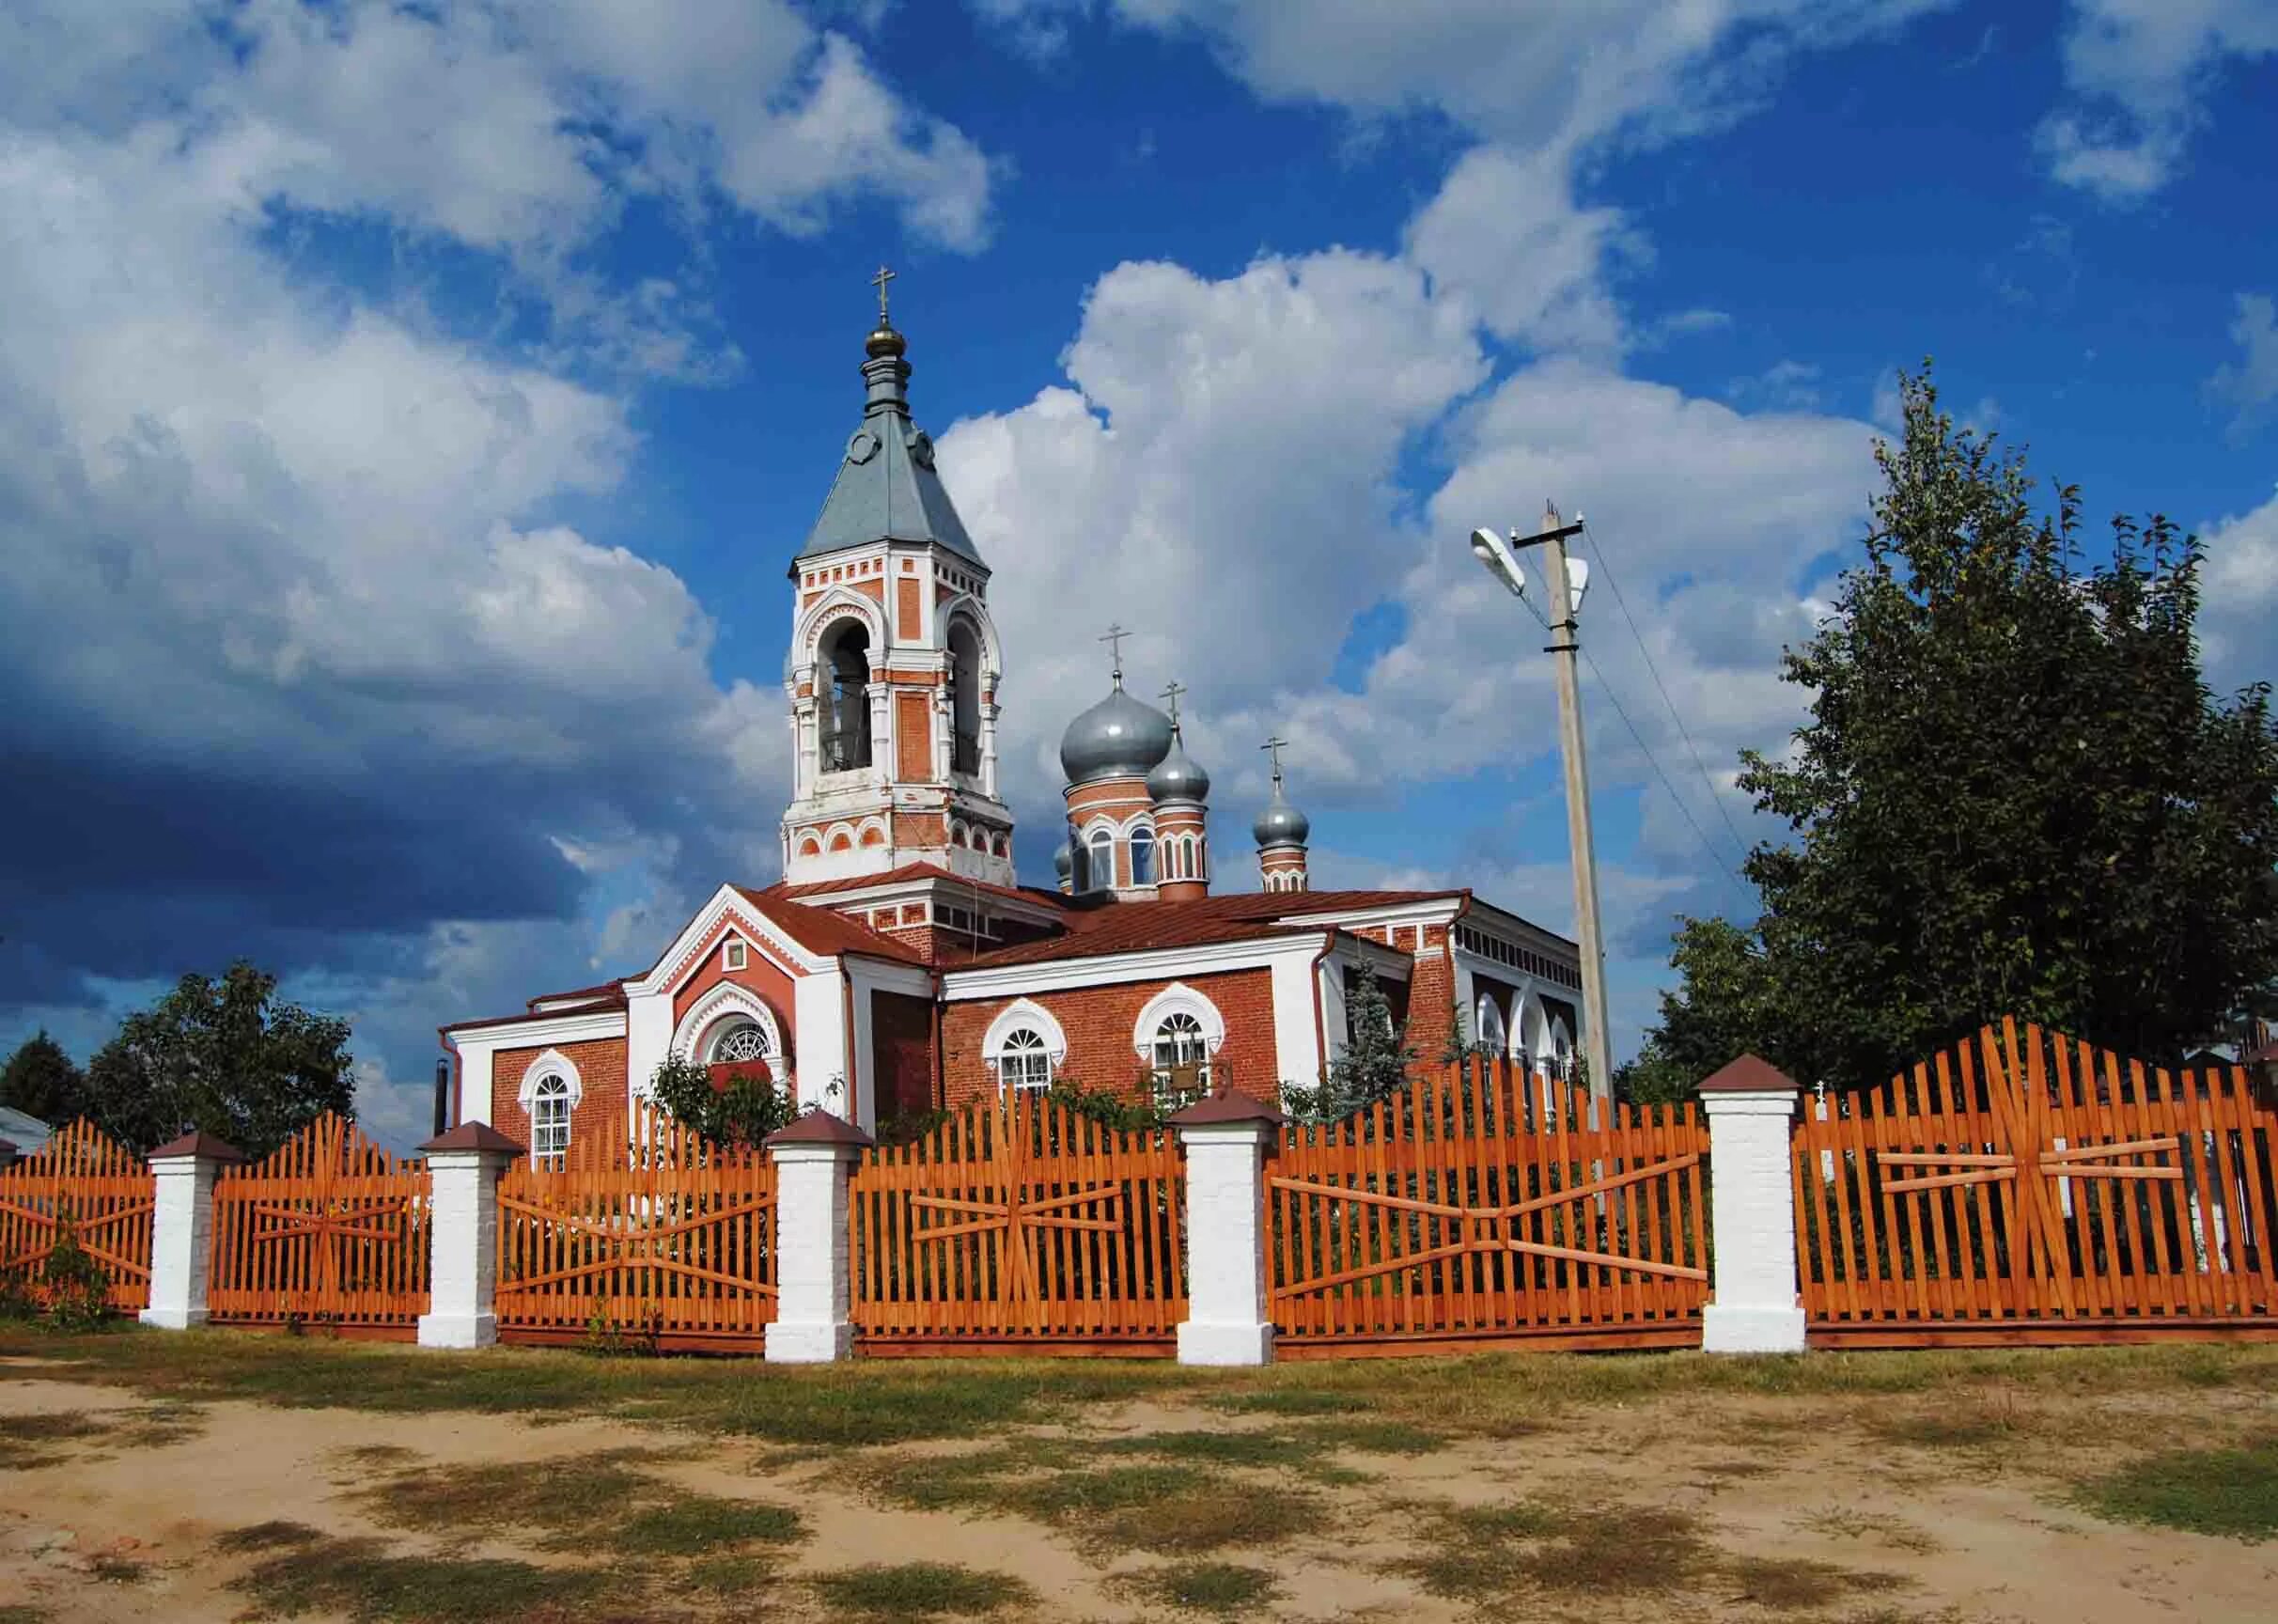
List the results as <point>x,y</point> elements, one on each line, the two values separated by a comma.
<point>894,664</point>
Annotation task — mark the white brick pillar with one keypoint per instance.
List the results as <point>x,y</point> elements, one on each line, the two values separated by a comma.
<point>181,1227</point>
<point>464,1170</point>
<point>814,1158</point>
<point>1227,1138</point>
<point>1755,1309</point>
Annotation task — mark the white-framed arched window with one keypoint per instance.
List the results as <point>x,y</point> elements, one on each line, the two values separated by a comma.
<point>1488,1032</point>
<point>1024,1062</point>
<point>1101,870</point>
<point>1143,856</point>
<point>550,1091</point>
<point>729,1026</point>
<point>549,1110</point>
<point>1025,1046</point>
<point>1177,1035</point>
<point>736,1041</point>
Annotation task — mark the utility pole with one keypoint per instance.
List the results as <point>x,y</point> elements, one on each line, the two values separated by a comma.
<point>1565,648</point>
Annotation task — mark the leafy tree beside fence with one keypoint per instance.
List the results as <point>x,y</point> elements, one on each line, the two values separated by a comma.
<point>2015,794</point>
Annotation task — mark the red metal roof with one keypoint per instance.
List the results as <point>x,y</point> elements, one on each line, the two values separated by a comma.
<point>915,872</point>
<point>581,994</point>
<point>820,930</point>
<point>1144,927</point>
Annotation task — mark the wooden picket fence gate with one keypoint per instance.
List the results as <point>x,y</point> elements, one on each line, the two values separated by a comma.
<point>100,1190</point>
<point>329,1233</point>
<point>2023,1187</point>
<point>644,1231</point>
<point>1482,1206</point>
<point>1021,1224</point>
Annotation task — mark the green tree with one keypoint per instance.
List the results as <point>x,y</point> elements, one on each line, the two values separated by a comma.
<point>1374,1066</point>
<point>2015,794</point>
<point>42,1081</point>
<point>743,1109</point>
<point>226,1057</point>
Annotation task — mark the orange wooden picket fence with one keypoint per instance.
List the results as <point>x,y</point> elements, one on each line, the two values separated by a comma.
<point>1483,1205</point>
<point>644,1229</point>
<point>1021,1224</point>
<point>2024,1187</point>
<point>97,1187</point>
<point>329,1233</point>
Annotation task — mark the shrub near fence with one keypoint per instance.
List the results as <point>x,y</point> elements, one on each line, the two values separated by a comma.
<point>329,1232</point>
<point>643,1230</point>
<point>2025,1187</point>
<point>1480,1204</point>
<point>1019,1222</point>
<point>97,1189</point>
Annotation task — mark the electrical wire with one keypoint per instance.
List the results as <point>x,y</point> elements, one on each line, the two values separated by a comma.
<point>1605,567</point>
<point>1653,761</point>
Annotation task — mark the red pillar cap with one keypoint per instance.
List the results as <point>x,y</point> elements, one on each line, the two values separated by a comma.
<point>819,1127</point>
<point>1229,1107</point>
<point>202,1145</point>
<point>1750,1075</point>
<point>473,1137</point>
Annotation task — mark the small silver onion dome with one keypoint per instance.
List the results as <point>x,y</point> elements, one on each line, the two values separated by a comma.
<point>1280,823</point>
<point>1179,777</point>
<point>1118,738</point>
<point>1064,861</point>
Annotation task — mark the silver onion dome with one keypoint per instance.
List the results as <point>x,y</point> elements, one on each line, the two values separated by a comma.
<point>1118,738</point>
<point>1280,823</point>
<point>1064,861</point>
<point>1179,777</point>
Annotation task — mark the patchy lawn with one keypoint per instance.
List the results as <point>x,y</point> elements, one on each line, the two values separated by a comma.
<point>211,1476</point>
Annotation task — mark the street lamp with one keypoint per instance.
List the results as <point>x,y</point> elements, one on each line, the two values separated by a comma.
<point>1567,579</point>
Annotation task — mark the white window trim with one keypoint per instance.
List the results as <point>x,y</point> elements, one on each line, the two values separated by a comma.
<point>552,1063</point>
<point>735,953</point>
<point>1024,1012</point>
<point>725,1000</point>
<point>1175,999</point>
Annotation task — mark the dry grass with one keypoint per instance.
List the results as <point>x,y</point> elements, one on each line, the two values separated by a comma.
<point>1226,1589</point>
<point>1529,1552</point>
<point>593,1502</point>
<point>360,1580</point>
<point>918,1590</point>
<point>1892,1533</point>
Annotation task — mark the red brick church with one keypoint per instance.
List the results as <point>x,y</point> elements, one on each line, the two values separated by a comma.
<point>900,965</point>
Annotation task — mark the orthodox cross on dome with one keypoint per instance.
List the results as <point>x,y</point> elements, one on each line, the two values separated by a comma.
<point>880,282</point>
<point>1275,746</point>
<point>1171,694</point>
<point>1115,635</point>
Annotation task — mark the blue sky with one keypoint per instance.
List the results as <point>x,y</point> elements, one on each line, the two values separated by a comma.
<point>407,414</point>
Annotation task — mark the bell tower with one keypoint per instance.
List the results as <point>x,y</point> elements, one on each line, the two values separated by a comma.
<point>893,665</point>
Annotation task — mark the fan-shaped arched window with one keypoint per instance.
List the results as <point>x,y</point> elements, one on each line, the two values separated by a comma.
<point>1181,1061</point>
<point>845,700</point>
<point>549,1119</point>
<point>1024,1062</point>
<point>739,1042</point>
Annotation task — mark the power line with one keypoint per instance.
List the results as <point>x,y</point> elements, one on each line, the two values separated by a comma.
<point>1654,761</point>
<point>1606,565</point>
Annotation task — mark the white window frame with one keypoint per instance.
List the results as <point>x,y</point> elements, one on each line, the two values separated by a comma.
<point>1025,1015</point>
<point>1100,843</point>
<point>551,1067</point>
<point>734,954</point>
<point>1023,1052</point>
<point>550,1135</point>
<point>1154,855</point>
